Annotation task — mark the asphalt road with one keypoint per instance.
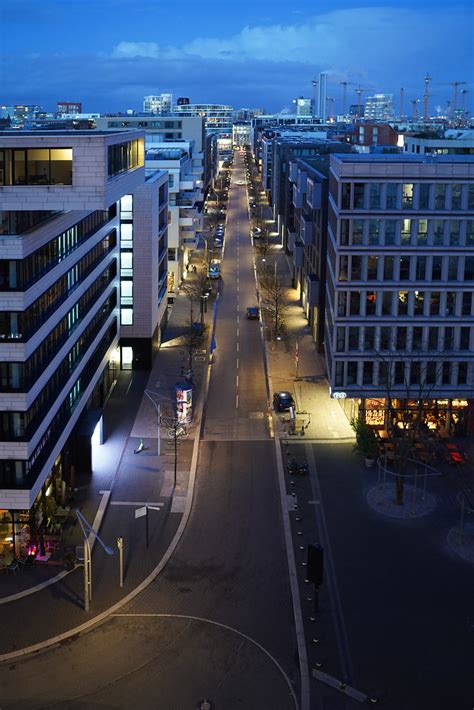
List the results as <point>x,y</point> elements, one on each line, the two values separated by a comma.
<point>217,625</point>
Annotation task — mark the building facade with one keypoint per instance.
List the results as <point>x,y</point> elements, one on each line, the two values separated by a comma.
<point>163,103</point>
<point>59,307</point>
<point>400,285</point>
<point>379,107</point>
<point>218,118</point>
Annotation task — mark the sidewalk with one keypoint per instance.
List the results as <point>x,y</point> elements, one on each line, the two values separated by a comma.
<point>125,481</point>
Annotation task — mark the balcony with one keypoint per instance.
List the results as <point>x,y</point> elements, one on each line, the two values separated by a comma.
<point>298,252</point>
<point>312,289</point>
<point>297,197</point>
<point>306,231</point>
<point>314,195</point>
<point>293,173</point>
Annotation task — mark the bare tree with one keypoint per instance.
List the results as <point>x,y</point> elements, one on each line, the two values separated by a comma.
<point>273,297</point>
<point>405,375</point>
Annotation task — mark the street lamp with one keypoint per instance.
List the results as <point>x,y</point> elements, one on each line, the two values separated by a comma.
<point>158,416</point>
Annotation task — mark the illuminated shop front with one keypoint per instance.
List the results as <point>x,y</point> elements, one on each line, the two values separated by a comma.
<point>447,415</point>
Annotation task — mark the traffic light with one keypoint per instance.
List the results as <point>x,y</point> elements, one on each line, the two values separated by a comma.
<point>315,564</point>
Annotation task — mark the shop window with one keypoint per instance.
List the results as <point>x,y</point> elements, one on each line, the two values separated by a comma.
<point>352,373</point>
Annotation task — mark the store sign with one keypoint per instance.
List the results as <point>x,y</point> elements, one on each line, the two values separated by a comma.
<point>339,395</point>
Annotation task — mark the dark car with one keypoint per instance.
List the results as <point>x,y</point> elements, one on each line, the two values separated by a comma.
<point>282,401</point>
<point>252,313</point>
<point>218,243</point>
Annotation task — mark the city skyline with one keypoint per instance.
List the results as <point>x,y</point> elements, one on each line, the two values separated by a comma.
<point>220,57</point>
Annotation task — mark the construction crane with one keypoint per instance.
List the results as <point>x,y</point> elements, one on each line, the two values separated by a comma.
<point>344,85</point>
<point>402,99</point>
<point>359,91</point>
<point>455,96</point>
<point>463,104</point>
<point>426,113</point>
<point>414,104</point>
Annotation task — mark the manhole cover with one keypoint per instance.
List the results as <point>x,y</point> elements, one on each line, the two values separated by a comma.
<point>256,415</point>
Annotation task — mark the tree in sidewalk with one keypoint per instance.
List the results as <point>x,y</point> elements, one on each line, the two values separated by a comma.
<point>272,297</point>
<point>405,376</point>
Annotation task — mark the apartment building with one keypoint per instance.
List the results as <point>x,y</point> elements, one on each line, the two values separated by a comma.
<point>59,306</point>
<point>400,285</point>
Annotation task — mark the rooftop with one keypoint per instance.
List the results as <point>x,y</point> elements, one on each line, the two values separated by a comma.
<point>401,158</point>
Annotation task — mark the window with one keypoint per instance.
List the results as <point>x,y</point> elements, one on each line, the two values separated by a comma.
<point>359,196</point>
<point>352,373</point>
<point>402,303</point>
<point>126,316</point>
<point>354,338</point>
<point>433,338</point>
<point>404,268</point>
<point>406,231</point>
<point>440,197</point>
<point>373,231</point>
<point>435,303</point>
<point>341,304</point>
<point>390,232</point>
<point>464,339</point>
<point>36,166</point>
<point>422,232</point>
<point>372,264</point>
<point>399,378</point>
<point>419,302</point>
<point>368,372</point>
<point>125,156</point>
<point>446,376</point>
<point>370,303</point>
<point>470,197</point>
<point>448,338</point>
<point>356,267</point>
<point>470,232</point>
<point>401,343</point>
<point>339,378</point>
<point>407,196</point>
<point>437,268</point>
<point>415,373</point>
<point>450,303</point>
<point>466,304</point>
<point>431,373</point>
<point>343,268</point>
<point>388,268</point>
<point>357,231</point>
<point>355,303</point>
<point>462,373</point>
<point>452,268</point>
<point>454,232</point>
<point>345,196</point>
<point>126,293</point>
<point>126,207</point>
<point>385,338</point>
<point>340,340</point>
<point>469,268</point>
<point>420,274</point>
<point>369,338</point>
<point>126,263</point>
<point>438,232</point>
<point>387,300</point>
<point>375,192</point>
<point>345,232</point>
<point>424,196</point>
<point>391,196</point>
<point>456,197</point>
<point>417,340</point>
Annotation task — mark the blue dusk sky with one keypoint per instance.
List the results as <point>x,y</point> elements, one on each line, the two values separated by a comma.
<point>110,53</point>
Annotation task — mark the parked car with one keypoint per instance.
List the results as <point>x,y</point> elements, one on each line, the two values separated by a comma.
<point>239,182</point>
<point>218,243</point>
<point>214,269</point>
<point>282,401</point>
<point>252,313</point>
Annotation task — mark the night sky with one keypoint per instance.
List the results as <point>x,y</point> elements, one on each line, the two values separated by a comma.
<point>110,53</point>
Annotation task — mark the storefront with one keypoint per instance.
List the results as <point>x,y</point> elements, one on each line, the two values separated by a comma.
<point>451,416</point>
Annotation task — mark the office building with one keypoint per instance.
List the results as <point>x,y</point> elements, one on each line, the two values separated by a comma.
<point>69,107</point>
<point>400,285</point>
<point>217,117</point>
<point>304,107</point>
<point>451,142</point>
<point>59,307</point>
<point>379,107</point>
<point>161,104</point>
<point>241,134</point>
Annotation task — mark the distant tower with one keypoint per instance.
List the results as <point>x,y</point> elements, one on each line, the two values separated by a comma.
<point>314,82</point>
<point>402,99</point>
<point>426,113</point>
<point>182,101</point>
<point>322,87</point>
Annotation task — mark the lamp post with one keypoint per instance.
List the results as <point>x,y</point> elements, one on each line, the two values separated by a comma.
<point>89,532</point>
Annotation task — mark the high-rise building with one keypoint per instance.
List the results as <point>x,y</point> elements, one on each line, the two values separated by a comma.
<point>163,103</point>
<point>69,107</point>
<point>59,306</point>
<point>304,107</point>
<point>400,286</point>
<point>379,107</point>
<point>322,95</point>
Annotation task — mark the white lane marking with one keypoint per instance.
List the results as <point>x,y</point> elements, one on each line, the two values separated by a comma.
<point>238,318</point>
<point>237,401</point>
<point>238,347</point>
<point>237,363</point>
<point>238,332</point>
<point>237,381</point>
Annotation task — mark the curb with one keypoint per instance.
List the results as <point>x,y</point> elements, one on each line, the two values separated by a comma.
<point>104,616</point>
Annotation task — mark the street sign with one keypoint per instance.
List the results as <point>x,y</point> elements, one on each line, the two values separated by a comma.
<point>140,512</point>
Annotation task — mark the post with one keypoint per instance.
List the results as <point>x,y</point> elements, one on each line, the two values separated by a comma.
<point>120,549</point>
<point>146,525</point>
<point>158,414</point>
<point>86,578</point>
<point>175,451</point>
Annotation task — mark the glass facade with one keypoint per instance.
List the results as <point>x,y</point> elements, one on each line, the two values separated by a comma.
<point>126,156</point>
<point>35,166</point>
